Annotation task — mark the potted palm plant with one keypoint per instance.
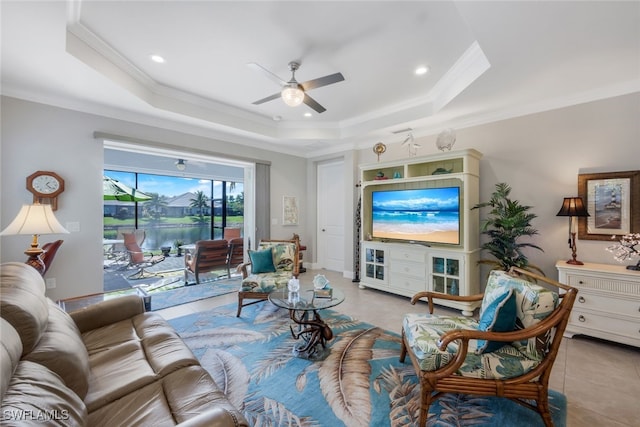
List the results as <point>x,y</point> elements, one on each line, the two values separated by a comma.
<point>178,245</point>
<point>506,223</point>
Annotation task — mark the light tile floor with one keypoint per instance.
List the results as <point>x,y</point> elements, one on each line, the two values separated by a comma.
<point>600,379</point>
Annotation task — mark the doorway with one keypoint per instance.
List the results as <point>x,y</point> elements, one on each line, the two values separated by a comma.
<point>330,232</point>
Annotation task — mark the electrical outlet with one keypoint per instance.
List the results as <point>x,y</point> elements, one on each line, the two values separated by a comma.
<point>73,226</point>
<point>274,221</point>
<point>51,283</point>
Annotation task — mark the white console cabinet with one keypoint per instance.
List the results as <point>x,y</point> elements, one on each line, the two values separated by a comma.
<point>608,302</point>
<point>405,267</point>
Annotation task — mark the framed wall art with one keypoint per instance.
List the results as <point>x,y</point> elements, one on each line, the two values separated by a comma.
<point>613,202</point>
<point>289,210</point>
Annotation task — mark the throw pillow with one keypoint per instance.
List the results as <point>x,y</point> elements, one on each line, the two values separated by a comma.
<point>498,316</point>
<point>262,261</point>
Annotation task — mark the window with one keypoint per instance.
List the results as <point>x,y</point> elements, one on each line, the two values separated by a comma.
<point>180,211</point>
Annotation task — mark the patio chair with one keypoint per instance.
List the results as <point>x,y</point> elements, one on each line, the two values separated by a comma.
<point>236,254</point>
<point>231,233</point>
<point>137,258</point>
<point>270,267</point>
<point>208,256</point>
<point>508,353</point>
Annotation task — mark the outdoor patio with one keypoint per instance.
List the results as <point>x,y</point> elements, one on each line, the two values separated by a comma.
<point>172,266</point>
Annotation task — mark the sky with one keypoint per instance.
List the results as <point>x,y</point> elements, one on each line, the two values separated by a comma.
<point>170,186</point>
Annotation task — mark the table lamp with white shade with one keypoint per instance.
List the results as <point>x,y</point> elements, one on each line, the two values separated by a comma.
<point>34,219</point>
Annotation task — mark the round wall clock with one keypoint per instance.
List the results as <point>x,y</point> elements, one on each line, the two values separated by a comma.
<point>45,186</point>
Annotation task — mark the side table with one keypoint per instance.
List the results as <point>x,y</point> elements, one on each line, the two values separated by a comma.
<point>311,331</point>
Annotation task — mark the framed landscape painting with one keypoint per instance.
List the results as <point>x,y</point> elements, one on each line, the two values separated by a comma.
<point>613,202</point>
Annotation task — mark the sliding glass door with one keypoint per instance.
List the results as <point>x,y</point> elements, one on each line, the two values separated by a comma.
<point>181,210</point>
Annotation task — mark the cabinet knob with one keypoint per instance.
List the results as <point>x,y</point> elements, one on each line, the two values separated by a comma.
<point>581,318</point>
<point>581,299</point>
<point>580,282</point>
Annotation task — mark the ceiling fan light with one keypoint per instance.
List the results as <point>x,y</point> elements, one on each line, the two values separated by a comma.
<point>181,165</point>
<point>292,95</point>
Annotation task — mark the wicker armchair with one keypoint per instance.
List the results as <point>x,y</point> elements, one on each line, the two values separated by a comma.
<point>446,350</point>
<point>257,285</point>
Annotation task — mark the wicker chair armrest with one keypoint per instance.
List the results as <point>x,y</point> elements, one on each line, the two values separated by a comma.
<point>243,269</point>
<point>430,296</point>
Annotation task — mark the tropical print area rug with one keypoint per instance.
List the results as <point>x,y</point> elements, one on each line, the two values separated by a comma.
<point>360,383</point>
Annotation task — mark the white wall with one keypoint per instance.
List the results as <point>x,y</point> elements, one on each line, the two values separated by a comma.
<point>39,137</point>
<point>540,157</point>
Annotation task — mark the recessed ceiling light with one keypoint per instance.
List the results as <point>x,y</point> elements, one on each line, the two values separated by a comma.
<point>307,114</point>
<point>157,58</point>
<point>422,70</point>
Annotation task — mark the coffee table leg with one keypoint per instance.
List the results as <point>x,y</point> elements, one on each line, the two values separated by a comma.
<point>312,332</point>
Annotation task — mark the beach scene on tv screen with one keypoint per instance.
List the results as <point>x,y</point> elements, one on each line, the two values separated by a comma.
<point>426,215</point>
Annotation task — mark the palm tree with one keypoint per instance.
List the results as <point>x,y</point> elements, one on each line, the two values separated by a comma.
<point>507,222</point>
<point>200,202</point>
<point>156,206</point>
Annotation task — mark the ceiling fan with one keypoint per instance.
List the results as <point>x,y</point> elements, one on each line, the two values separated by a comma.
<point>294,93</point>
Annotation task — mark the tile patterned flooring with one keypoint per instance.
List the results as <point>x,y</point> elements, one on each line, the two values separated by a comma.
<point>600,379</point>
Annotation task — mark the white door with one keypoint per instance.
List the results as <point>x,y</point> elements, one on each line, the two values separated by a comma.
<point>331,216</point>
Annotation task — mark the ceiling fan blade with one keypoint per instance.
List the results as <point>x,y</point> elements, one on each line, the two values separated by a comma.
<point>313,104</point>
<point>267,73</point>
<point>267,99</point>
<point>322,81</point>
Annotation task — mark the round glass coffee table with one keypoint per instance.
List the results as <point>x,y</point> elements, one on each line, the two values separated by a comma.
<point>311,331</point>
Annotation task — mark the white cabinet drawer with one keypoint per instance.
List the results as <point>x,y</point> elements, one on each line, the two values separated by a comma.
<point>597,302</point>
<point>399,254</point>
<point>407,283</point>
<point>414,269</point>
<point>595,282</point>
<point>608,325</point>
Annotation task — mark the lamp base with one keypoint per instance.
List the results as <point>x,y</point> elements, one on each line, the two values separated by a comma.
<point>35,262</point>
<point>34,259</point>
<point>575,262</point>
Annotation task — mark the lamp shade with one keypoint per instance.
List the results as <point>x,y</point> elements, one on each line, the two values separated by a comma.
<point>573,206</point>
<point>34,219</point>
<point>292,95</point>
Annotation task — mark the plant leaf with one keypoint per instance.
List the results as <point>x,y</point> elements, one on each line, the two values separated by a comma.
<point>344,376</point>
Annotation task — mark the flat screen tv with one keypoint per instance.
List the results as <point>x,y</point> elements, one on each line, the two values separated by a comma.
<point>427,215</point>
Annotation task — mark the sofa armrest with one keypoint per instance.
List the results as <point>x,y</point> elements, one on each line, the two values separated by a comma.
<point>107,312</point>
<point>216,417</point>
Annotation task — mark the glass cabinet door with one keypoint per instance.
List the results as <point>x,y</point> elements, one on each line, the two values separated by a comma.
<point>374,263</point>
<point>445,275</point>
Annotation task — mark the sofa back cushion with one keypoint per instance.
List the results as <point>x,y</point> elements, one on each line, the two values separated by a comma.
<point>22,302</point>
<point>10,352</point>
<point>533,304</point>
<point>61,350</point>
<point>284,254</point>
<point>37,396</point>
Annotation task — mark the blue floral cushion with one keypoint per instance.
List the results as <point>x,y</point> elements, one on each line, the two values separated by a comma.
<point>262,261</point>
<point>533,304</point>
<point>498,316</point>
<point>423,331</point>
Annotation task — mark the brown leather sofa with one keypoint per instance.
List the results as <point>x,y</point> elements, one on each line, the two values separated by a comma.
<point>110,364</point>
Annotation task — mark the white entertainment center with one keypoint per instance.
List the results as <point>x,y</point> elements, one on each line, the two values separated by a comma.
<point>404,265</point>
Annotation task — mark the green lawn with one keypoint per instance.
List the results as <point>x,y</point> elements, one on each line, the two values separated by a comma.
<point>129,222</point>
